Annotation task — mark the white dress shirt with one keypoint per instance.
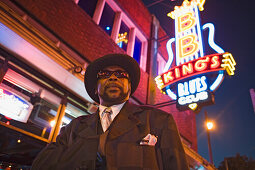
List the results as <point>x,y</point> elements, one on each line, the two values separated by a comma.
<point>115,110</point>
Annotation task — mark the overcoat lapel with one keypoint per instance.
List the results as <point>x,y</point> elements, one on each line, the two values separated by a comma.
<point>88,126</point>
<point>124,121</point>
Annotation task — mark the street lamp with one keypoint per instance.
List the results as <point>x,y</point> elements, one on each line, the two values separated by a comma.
<point>209,126</point>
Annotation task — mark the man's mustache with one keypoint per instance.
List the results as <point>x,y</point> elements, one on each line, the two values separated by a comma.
<point>112,85</point>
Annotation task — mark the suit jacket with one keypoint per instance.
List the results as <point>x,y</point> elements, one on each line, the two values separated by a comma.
<point>76,147</point>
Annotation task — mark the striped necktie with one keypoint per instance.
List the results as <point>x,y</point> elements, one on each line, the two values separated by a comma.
<point>106,117</point>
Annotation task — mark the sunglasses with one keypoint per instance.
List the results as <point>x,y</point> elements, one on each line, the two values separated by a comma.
<point>106,74</point>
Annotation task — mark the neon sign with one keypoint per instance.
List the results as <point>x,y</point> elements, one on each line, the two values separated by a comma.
<point>122,38</point>
<point>14,107</point>
<point>193,86</point>
<point>193,91</point>
<point>210,63</point>
<point>190,60</point>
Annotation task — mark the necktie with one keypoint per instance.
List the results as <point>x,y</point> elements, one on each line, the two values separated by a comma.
<point>106,116</point>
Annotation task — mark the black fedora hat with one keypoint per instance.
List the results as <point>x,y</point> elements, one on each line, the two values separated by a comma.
<point>122,60</point>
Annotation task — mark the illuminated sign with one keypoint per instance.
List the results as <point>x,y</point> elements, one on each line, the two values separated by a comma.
<point>194,76</point>
<point>14,107</point>
<point>210,63</point>
<point>122,38</point>
<point>193,91</point>
<point>191,87</point>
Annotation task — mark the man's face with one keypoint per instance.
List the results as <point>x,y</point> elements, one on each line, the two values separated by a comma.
<point>114,88</point>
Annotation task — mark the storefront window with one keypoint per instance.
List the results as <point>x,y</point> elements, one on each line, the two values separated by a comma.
<point>25,105</point>
<point>107,19</point>
<point>14,103</point>
<point>30,109</point>
<point>72,112</point>
<point>43,116</point>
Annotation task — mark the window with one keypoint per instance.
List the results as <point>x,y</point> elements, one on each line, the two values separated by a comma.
<point>71,112</point>
<point>26,105</point>
<point>107,19</point>
<point>137,50</point>
<point>111,18</point>
<point>32,108</point>
<point>43,116</point>
<point>123,36</point>
<point>88,5</point>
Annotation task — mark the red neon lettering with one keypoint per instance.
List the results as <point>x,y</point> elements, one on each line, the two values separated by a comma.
<point>188,45</point>
<point>168,77</point>
<point>205,64</point>
<point>187,69</point>
<point>177,72</point>
<point>201,65</point>
<point>186,21</point>
<point>215,62</point>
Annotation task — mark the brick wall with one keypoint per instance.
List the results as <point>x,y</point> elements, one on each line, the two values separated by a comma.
<point>162,43</point>
<point>68,21</point>
<point>139,14</point>
<point>141,91</point>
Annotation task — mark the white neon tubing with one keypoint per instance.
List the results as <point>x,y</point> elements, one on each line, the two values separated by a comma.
<point>176,41</point>
<point>170,54</point>
<point>211,42</point>
<point>217,82</point>
<point>199,33</point>
<point>196,54</point>
<point>171,94</point>
<point>218,49</point>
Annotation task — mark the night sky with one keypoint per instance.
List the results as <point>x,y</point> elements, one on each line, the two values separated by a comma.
<point>233,111</point>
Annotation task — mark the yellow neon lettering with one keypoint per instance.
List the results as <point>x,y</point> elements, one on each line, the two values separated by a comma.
<point>159,82</point>
<point>177,72</point>
<point>168,77</point>
<point>186,4</point>
<point>228,63</point>
<point>188,45</point>
<point>186,21</point>
<point>201,65</point>
<point>215,62</point>
<point>187,69</point>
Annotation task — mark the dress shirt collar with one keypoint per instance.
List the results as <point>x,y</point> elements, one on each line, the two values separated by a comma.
<point>115,110</point>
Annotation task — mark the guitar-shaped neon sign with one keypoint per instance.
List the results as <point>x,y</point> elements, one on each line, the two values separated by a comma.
<point>190,61</point>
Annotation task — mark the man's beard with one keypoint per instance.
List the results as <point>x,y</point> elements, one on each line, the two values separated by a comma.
<point>114,100</point>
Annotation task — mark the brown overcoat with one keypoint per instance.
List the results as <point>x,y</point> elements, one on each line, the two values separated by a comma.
<point>76,147</point>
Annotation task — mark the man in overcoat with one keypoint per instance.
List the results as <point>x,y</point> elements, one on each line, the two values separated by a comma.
<point>120,135</point>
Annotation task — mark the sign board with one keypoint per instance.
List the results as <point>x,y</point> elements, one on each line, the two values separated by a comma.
<point>14,107</point>
<point>191,76</point>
